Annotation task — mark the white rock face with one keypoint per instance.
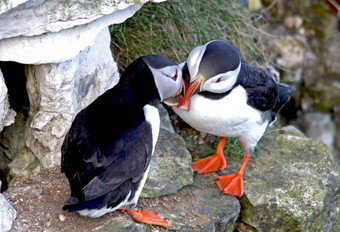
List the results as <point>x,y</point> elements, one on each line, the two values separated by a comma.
<point>6,114</point>
<point>66,48</point>
<point>37,17</point>
<point>320,126</point>
<point>58,91</point>
<point>61,46</point>
<point>7,214</point>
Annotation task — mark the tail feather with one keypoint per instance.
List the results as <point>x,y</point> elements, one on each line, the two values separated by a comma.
<point>71,204</point>
<point>285,92</point>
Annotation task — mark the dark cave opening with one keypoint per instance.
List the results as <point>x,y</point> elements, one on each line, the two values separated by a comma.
<point>15,80</point>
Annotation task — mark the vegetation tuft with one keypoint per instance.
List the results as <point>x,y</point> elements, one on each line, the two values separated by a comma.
<point>173,28</point>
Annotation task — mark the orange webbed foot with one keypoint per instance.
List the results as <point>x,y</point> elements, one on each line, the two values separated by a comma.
<point>213,163</point>
<point>232,184</point>
<point>146,216</point>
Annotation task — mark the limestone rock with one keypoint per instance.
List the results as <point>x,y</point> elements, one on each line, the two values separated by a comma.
<point>6,114</point>
<point>122,224</point>
<point>38,200</point>
<point>58,91</point>
<point>56,31</point>
<point>323,93</point>
<point>170,168</point>
<point>7,214</point>
<point>201,207</point>
<point>165,119</point>
<point>319,126</point>
<point>40,17</point>
<point>290,182</point>
<point>60,46</point>
<point>290,52</point>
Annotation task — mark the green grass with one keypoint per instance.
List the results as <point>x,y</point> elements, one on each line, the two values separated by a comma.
<point>174,28</point>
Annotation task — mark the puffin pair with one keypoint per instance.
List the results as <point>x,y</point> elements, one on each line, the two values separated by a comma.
<point>227,97</point>
<point>107,151</point>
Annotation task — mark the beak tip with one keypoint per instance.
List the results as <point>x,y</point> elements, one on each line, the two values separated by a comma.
<point>186,105</point>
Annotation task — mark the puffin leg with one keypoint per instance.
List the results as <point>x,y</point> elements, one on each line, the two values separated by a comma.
<point>213,163</point>
<point>146,216</point>
<point>233,184</point>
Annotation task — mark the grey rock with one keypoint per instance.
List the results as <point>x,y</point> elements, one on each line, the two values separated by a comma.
<point>331,51</point>
<point>170,167</point>
<point>7,214</point>
<point>122,224</point>
<point>290,182</point>
<point>290,52</point>
<point>7,115</point>
<point>201,207</point>
<point>165,119</point>
<point>198,207</point>
<point>58,91</point>
<point>319,126</point>
<point>39,17</point>
<point>59,46</point>
<point>332,222</point>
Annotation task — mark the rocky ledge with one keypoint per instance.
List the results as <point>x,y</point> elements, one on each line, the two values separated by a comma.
<point>291,184</point>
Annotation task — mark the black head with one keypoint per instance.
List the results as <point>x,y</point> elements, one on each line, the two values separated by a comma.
<point>212,67</point>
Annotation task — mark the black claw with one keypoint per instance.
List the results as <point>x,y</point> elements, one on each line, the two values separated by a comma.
<point>196,171</point>
<point>222,192</point>
<point>220,169</point>
<point>217,178</point>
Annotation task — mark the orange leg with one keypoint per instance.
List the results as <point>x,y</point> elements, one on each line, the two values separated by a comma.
<point>233,184</point>
<point>146,216</point>
<point>213,163</point>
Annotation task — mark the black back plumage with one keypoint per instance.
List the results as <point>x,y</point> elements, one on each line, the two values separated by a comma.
<point>109,142</point>
<point>262,90</point>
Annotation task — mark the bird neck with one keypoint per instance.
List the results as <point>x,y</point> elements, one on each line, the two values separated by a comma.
<point>138,85</point>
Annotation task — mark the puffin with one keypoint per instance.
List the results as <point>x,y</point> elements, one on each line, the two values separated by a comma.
<point>226,97</point>
<point>107,151</point>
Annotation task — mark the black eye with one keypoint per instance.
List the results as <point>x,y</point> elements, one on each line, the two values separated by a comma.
<point>175,76</point>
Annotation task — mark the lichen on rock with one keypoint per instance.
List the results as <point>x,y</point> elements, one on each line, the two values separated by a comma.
<point>291,182</point>
<point>170,167</point>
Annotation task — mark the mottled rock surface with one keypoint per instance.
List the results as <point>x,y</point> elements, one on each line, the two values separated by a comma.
<point>306,48</point>
<point>7,115</point>
<point>65,47</point>
<point>170,166</point>
<point>7,214</point>
<point>198,207</point>
<point>36,32</point>
<point>291,183</point>
<point>58,91</point>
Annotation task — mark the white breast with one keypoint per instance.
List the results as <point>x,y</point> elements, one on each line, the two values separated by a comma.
<point>230,116</point>
<point>152,117</point>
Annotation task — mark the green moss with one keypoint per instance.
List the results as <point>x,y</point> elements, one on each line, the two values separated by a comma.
<point>325,94</point>
<point>174,28</point>
<point>233,148</point>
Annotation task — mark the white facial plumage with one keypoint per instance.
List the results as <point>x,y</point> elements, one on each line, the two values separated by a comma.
<point>222,82</point>
<point>168,80</point>
<point>219,83</point>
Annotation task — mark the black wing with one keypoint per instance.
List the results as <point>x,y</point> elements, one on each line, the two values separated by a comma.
<point>105,147</point>
<point>261,88</point>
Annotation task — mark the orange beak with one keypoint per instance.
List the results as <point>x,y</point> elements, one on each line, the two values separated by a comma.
<point>184,103</point>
